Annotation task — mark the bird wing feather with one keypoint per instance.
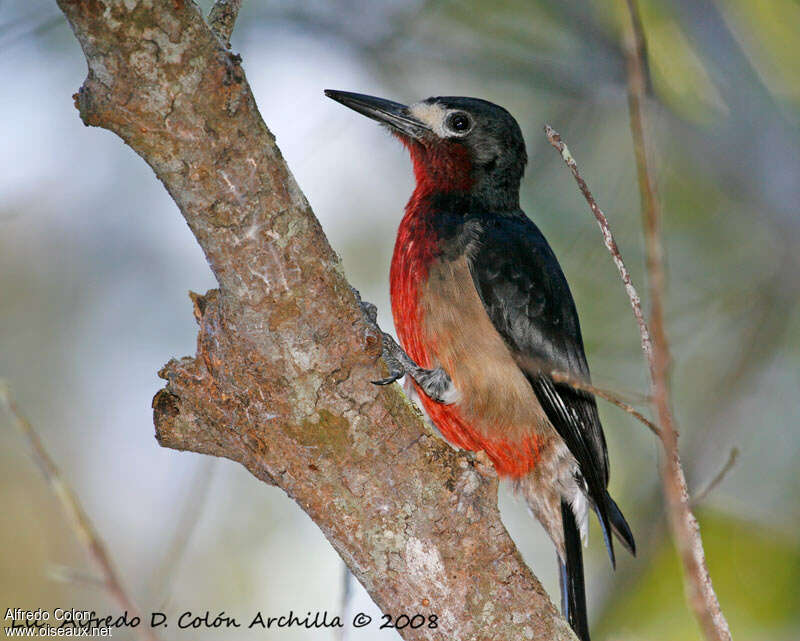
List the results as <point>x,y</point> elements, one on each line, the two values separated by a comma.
<point>528,300</point>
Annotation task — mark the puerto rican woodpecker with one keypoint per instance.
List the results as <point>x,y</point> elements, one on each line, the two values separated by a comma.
<point>485,316</point>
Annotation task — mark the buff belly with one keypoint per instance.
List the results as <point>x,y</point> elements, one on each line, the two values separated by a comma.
<point>493,396</point>
<point>495,410</point>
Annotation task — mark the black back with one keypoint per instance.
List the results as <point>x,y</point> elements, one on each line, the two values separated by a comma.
<point>529,302</point>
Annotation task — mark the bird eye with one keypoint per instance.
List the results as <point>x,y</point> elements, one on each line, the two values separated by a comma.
<point>458,122</point>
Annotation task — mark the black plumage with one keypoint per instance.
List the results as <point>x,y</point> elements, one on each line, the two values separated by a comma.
<point>527,298</point>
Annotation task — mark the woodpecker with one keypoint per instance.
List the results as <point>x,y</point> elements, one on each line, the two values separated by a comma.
<point>485,317</point>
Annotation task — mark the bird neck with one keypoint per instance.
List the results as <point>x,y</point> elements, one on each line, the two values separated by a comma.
<point>441,168</point>
<point>446,172</point>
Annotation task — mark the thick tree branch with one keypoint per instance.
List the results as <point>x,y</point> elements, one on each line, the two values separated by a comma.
<point>281,379</point>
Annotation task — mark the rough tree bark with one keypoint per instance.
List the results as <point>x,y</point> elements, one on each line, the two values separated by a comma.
<point>281,379</point>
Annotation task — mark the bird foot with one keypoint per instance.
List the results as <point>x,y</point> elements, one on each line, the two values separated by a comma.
<point>435,382</point>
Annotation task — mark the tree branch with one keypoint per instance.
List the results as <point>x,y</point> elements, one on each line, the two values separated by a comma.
<point>611,397</point>
<point>222,19</point>
<point>78,519</point>
<point>684,526</point>
<point>608,238</point>
<point>733,456</point>
<point>281,378</point>
<point>685,529</point>
<point>611,244</point>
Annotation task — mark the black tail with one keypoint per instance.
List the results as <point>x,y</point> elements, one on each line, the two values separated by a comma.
<point>573,592</point>
<point>620,526</point>
<point>612,521</point>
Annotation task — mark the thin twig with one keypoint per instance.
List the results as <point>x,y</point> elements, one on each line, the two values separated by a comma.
<point>66,574</point>
<point>222,19</point>
<point>608,238</point>
<point>611,397</point>
<point>611,244</point>
<point>347,597</point>
<point>718,478</point>
<point>77,517</point>
<point>685,529</point>
<point>189,518</point>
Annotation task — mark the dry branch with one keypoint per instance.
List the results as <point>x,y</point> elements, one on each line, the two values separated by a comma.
<point>608,238</point>
<point>554,138</point>
<point>281,379</point>
<point>612,397</point>
<point>685,529</point>
<point>684,526</point>
<point>222,19</point>
<point>660,392</point>
<point>78,519</point>
<point>733,456</point>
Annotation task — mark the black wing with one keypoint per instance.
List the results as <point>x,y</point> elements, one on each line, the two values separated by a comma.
<point>529,302</point>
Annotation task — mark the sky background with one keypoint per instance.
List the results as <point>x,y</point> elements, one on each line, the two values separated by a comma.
<point>96,263</point>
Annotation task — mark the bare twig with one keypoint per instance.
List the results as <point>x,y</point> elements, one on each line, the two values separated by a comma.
<point>685,529</point>
<point>67,574</point>
<point>184,530</point>
<point>222,19</point>
<point>77,517</point>
<point>623,401</point>
<point>718,477</point>
<point>612,397</point>
<point>608,238</point>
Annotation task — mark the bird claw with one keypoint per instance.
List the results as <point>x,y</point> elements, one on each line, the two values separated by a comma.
<point>435,383</point>
<point>394,376</point>
<point>395,358</point>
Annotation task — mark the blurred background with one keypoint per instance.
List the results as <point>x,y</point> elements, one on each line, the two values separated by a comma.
<point>96,261</point>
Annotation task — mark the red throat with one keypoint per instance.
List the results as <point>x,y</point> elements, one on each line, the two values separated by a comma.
<point>444,167</point>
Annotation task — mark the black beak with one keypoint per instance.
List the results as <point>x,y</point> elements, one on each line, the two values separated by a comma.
<point>384,111</point>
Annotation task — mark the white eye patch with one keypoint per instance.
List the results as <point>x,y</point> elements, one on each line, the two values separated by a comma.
<point>432,115</point>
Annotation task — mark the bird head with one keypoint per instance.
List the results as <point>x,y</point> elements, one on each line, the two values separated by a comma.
<point>459,146</point>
